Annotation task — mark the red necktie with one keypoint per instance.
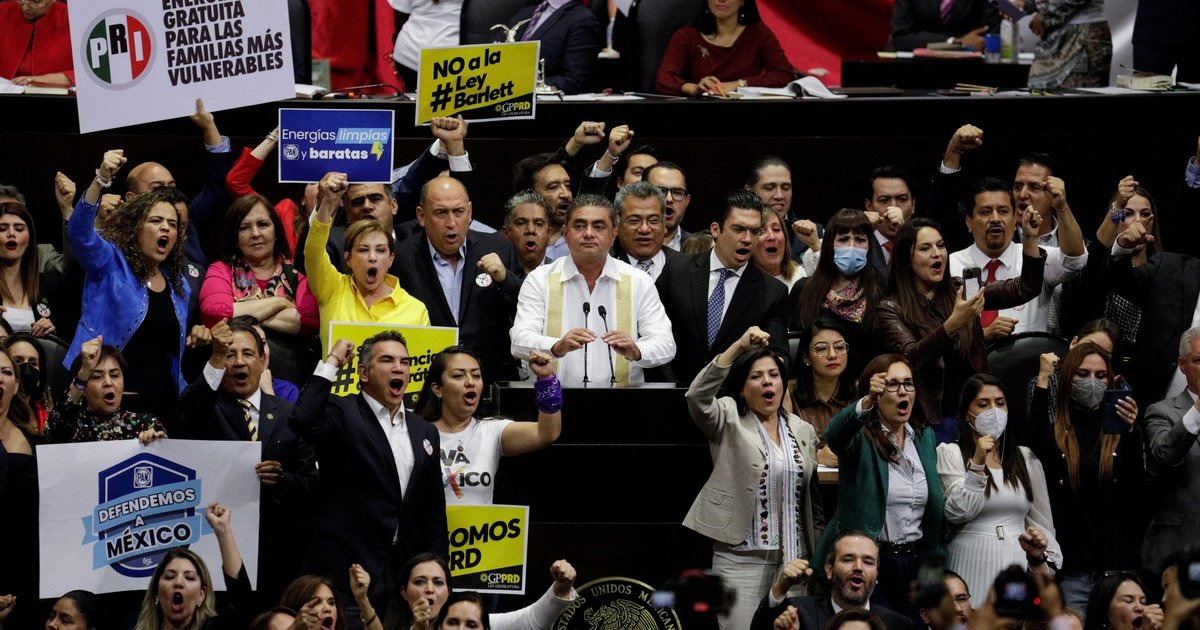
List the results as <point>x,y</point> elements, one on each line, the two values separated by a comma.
<point>987,317</point>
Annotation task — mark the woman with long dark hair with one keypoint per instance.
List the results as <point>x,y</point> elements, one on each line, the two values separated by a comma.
<point>473,447</point>
<point>887,478</point>
<point>844,287</point>
<point>26,304</point>
<point>727,47</point>
<point>760,505</point>
<point>927,318</point>
<point>1118,602</point>
<point>996,497</point>
<point>1092,451</point>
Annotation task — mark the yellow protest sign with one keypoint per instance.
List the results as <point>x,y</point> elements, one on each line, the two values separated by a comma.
<point>481,82</point>
<point>488,545</point>
<point>423,343</point>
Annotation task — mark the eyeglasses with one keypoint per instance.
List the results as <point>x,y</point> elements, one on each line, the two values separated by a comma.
<point>678,193</point>
<point>739,230</point>
<point>894,386</point>
<point>636,222</point>
<point>826,349</point>
<point>962,598</point>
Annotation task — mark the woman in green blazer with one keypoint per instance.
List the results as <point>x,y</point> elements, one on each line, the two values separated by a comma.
<point>888,484</point>
<point>760,506</point>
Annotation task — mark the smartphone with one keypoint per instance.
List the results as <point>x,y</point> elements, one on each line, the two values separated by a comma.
<point>1111,423</point>
<point>1188,573</point>
<point>973,273</point>
<point>1017,595</point>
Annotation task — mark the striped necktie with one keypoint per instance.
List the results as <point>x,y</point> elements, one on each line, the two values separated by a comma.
<point>251,425</point>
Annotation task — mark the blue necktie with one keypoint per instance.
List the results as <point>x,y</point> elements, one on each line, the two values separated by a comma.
<point>716,303</point>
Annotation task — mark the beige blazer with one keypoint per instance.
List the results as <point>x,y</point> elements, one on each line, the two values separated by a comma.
<point>725,507</point>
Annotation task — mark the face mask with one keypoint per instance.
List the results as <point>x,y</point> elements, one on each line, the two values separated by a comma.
<point>850,260</point>
<point>1088,392</point>
<point>31,379</point>
<point>992,422</point>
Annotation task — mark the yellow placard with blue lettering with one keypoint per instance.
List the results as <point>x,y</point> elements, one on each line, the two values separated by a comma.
<point>423,342</point>
<point>488,547</point>
<point>480,82</point>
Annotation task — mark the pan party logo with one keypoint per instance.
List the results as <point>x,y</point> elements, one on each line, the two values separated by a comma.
<point>616,603</point>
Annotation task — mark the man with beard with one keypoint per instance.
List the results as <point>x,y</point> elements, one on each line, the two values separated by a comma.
<point>546,174</point>
<point>852,570</point>
<point>992,222</point>
<point>669,178</point>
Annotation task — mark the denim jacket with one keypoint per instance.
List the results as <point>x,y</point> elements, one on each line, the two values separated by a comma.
<point>114,300</point>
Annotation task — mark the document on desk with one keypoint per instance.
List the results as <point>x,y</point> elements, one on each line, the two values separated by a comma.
<point>599,98</point>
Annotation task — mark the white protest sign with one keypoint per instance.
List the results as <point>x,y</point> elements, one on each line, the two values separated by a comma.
<point>109,511</point>
<point>139,61</point>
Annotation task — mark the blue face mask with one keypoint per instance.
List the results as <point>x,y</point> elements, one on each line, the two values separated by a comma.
<point>850,260</point>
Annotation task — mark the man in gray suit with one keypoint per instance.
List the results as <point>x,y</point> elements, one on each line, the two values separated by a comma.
<point>1173,455</point>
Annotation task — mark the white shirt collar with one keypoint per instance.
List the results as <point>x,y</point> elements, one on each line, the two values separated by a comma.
<point>255,399</point>
<point>1008,257</point>
<point>569,270</point>
<point>714,264</point>
<point>381,412</point>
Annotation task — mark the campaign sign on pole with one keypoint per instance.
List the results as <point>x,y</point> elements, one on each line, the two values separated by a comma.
<point>357,142</point>
<point>483,82</point>
<point>109,511</point>
<point>488,546</point>
<point>138,61</point>
<point>423,342</point>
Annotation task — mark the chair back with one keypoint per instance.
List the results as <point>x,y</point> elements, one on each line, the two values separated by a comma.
<point>478,17</point>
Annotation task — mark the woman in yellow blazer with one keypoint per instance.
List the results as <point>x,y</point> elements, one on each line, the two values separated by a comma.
<point>760,505</point>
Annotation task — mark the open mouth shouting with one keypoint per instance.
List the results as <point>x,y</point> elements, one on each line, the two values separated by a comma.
<point>903,409</point>
<point>530,246</point>
<point>110,397</point>
<point>857,582</point>
<point>327,621</point>
<point>240,377</point>
<point>396,387</point>
<point>162,245</point>
<point>177,602</point>
<point>10,245</point>
<point>471,398</point>
<point>372,274</point>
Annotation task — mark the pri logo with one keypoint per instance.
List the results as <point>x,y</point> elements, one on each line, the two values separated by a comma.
<point>146,507</point>
<point>119,49</point>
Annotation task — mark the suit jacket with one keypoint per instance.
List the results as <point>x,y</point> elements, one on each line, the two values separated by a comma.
<point>285,525</point>
<point>362,509</point>
<point>863,483</point>
<point>571,38</point>
<point>759,300</point>
<point>1166,287</point>
<point>917,23</point>
<point>485,313</point>
<point>815,613</point>
<point>1173,456</point>
<point>725,508</point>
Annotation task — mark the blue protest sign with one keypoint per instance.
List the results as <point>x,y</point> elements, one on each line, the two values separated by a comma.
<point>357,142</point>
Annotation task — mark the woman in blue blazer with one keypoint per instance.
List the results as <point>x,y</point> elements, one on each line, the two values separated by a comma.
<point>134,294</point>
<point>760,506</point>
<point>888,483</point>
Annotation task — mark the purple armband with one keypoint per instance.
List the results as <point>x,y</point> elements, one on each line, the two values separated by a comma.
<point>548,394</point>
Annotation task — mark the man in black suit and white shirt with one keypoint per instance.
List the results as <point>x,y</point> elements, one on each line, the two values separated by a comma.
<point>226,403</point>
<point>852,570</point>
<point>382,500</point>
<point>469,280</point>
<point>642,225</point>
<point>712,298</point>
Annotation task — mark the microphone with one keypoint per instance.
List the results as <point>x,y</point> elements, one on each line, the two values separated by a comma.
<point>612,380</point>
<point>587,309</point>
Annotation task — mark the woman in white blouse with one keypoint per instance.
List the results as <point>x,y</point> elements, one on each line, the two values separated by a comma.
<point>996,499</point>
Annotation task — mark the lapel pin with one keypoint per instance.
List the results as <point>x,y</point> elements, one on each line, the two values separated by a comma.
<point>428,447</point>
<point>483,280</point>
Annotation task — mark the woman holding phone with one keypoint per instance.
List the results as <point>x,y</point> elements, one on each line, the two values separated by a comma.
<point>1092,453</point>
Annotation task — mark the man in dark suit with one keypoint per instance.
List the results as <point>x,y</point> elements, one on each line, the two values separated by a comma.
<point>642,227</point>
<point>851,569</point>
<point>918,23</point>
<point>226,403</point>
<point>711,299</point>
<point>887,189</point>
<point>467,280</point>
<point>1173,455</point>
<point>381,478</point>
<point>527,228</point>
<point>671,180</point>
<point>571,38</point>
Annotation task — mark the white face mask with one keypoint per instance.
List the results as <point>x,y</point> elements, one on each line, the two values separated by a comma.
<point>992,422</point>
